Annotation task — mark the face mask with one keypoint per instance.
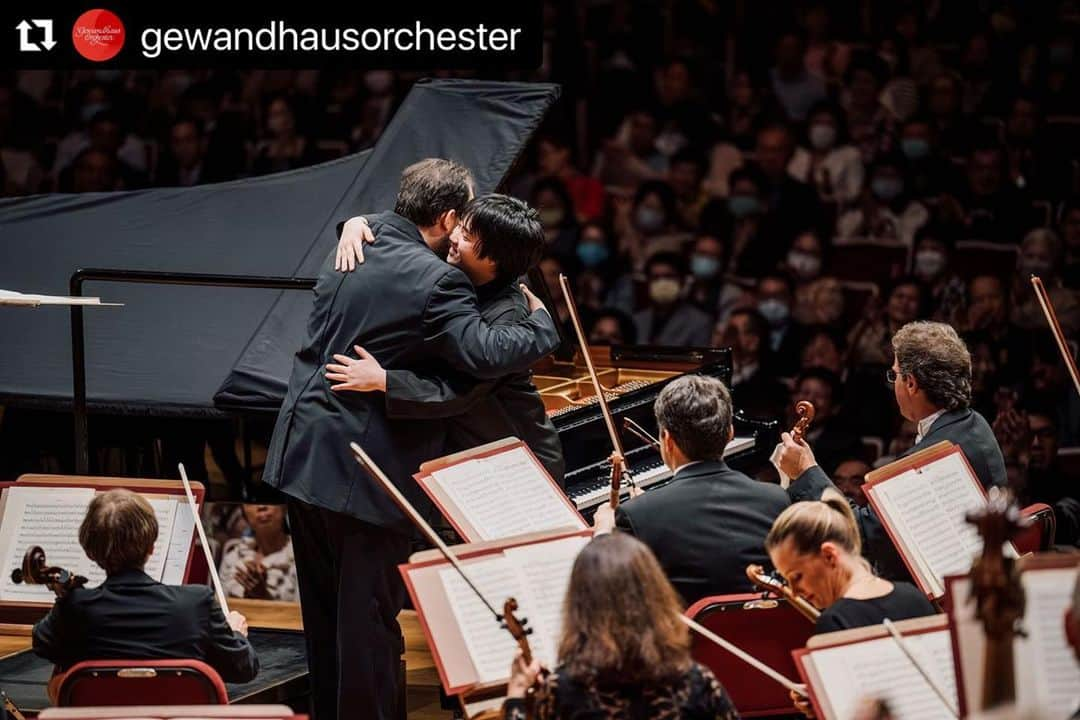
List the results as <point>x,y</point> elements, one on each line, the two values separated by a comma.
<point>551,217</point>
<point>804,264</point>
<point>1035,266</point>
<point>704,266</point>
<point>649,219</point>
<point>774,311</point>
<point>914,148</point>
<point>592,254</point>
<point>92,109</point>
<point>886,188</point>
<point>822,137</point>
<point>664,291</point>
<point>743,205</point>
<point>929,263</point>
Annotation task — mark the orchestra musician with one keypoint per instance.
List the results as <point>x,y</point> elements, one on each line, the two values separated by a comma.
<point>710,521</point>
<point>498,239</point>
<point>623,651</point>
<point>130,616</point>
<point>407,308</point>
<point>931,379</point>
<point>815,545</point>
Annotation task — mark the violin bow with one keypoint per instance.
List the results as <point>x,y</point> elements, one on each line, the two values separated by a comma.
<point>507,619</point>
<point>1055,327</point>
<point>618,459</point>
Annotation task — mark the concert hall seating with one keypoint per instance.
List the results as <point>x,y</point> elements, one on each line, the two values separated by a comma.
<point>769,630</point>
<point>141,682</point>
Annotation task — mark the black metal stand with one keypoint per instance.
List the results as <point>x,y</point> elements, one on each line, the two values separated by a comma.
<point>78,345</point>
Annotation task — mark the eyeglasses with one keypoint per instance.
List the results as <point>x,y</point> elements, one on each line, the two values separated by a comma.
<point>891,376</point>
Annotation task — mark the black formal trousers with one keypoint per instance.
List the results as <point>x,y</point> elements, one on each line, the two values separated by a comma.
<point>350,595</point>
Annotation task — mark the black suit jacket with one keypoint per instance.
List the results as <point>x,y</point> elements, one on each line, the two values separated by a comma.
<point>131,616</point>
<point>705,527</point>
<point>965,428</point>
<point>406,307</point>
<point>481,412</point>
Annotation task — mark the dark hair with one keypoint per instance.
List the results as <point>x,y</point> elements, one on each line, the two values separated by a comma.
<point>188,120</point>
<point>558,187</point>
<point>826,376</point>
<point>748,172</point>
<point>758,324</point>
<point>663,257</point>
<point>507,231</point>
<point>690,155</point>
<point>789,283</point>
<point>119,531</point>
<point>432,187</point>
<point>621,623</point>
<point>663,191</point>
<point>946,234</point>
<point>626,324</point>
<point>696,412</point>
<point>838,115</point>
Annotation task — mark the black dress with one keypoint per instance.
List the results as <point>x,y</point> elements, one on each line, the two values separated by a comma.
<point>905,601</point>
<point>697,696</point>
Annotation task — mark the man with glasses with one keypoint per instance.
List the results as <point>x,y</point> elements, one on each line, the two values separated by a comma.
<point>931,380</point>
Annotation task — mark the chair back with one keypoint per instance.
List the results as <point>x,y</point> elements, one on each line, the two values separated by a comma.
<point>769,630</point>
<point>141,682</point>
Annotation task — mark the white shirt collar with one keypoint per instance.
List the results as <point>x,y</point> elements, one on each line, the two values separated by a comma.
<point>925,425</point>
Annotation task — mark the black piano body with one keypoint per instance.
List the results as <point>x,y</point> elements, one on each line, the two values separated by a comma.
<point>632,378</point>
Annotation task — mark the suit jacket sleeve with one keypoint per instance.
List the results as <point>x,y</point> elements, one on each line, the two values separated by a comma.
<point>454,328</point>
<point>55,635</point>
<point>227,651</point>
<point>412,395</point>
<point>623,522</point>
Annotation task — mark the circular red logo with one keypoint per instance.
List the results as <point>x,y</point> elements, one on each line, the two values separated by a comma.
<point>98,35</point>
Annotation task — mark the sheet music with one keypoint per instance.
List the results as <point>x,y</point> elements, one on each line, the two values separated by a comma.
<point>165,512</point>
<point>49,517</point>
<point>545,570</point>
<point>506,494</point>
<point>929,506</point>
<point>1053,683</point>
<point>179,545</point>
<point>879,669</point>
<point>491,648</point>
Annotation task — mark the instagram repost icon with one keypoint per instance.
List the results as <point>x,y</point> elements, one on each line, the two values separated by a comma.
<point>98,35</point>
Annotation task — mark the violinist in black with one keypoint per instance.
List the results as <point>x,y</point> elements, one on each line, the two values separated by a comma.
<point>623,652</point>
<point>131,616</point>
<point>816,546</point>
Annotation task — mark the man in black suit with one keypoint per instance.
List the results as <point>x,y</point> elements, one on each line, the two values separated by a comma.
<point>132,617</point>
<point>931,378</point>
<point>498,239</point>
<point>407,308</point>
<point>710,522</point>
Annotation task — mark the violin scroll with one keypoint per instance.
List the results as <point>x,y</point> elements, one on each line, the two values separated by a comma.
<point>517,628</point>
<point>35,571</point>
<point>805,410</point>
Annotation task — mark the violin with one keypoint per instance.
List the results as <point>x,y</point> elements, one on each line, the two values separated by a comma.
<point>774,586</point>
<point>806,412</point>
<point>34,571</point>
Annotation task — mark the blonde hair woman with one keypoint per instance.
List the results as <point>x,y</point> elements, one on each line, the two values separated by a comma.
<point>816,547</point>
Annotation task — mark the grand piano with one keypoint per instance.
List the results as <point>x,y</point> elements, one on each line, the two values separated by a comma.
<point>632,377</point>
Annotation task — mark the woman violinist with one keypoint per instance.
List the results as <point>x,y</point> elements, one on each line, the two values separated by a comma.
<point>623,651</point>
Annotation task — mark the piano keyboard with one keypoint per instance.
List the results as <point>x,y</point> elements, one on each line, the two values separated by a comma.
<point>645,475</point>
